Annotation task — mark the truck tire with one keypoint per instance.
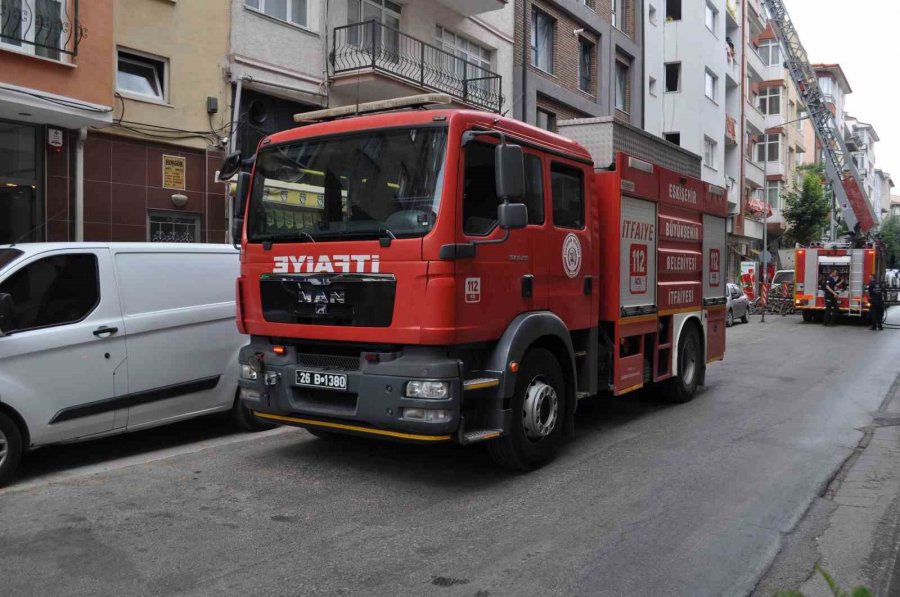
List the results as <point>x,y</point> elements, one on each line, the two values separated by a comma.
<point>244,420</point>
<point>538,414</point>
<point>683,387</point>
<point>808,316</point>
<point>10,448</point>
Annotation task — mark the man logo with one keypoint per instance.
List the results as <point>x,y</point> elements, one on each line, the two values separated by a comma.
<point>321,308</point>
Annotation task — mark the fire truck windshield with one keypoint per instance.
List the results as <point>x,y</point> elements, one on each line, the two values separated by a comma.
<point>354,186</point>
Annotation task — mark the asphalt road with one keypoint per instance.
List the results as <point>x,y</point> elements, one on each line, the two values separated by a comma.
<point>648,499</point>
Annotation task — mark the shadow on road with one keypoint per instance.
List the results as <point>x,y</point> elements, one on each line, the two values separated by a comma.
<point>60,457</point>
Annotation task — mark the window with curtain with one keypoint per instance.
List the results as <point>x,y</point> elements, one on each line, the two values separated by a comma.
<point>621,86</point>
<point>542,40</point>
<point>291,11</point>
<point>585,65</point>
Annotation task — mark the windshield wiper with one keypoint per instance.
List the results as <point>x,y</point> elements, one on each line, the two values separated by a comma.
<point>269,239</point>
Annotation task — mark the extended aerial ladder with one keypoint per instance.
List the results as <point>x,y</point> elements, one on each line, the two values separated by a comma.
<point>839,165</point>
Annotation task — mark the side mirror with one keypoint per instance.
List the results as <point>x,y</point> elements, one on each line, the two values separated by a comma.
<point>512,216</point>
<point>230,166</point>
<point>7,314</point>
<point>510,171</point>
<point>239,201</point>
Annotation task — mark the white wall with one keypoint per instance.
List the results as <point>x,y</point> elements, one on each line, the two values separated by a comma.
<point>653,66</point>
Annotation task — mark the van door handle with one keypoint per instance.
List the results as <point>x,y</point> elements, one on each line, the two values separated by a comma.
<point>100,331</point>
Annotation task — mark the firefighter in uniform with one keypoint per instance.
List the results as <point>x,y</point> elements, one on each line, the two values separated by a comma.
<point>876,302</point>
<point>831,298</point>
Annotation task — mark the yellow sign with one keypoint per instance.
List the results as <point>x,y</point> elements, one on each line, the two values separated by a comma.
<point>174,168</point>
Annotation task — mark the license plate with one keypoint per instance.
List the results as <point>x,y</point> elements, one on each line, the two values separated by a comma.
<point>329,381</point>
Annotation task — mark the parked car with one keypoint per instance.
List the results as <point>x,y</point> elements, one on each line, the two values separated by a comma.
<point>738,305</point>
<point>104,338</point>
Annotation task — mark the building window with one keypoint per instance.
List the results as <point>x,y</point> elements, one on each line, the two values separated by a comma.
<point>673,77</point>
<point>142,75</point>
<point>542,40</point>
<point>567,185</point>
<point>773,193</point>
<point>291,11</point>
<point>770,52</point>
<point>622,86</point>
<point>480,58</point>
<point>40,27</point>
<point>652,86</point>
<point>768,149</point>
<point>801,116</point>
<point>712,18</point>
<point>712,86</point>
<point>673,10</point>
<point>585,65</point>
<point>546,120</point>
<point>673,138</point>
<point>173,227</point>
<point>770,100</point>
<point>652,13</point>
<point>709,153</point>
<point>826,84</point>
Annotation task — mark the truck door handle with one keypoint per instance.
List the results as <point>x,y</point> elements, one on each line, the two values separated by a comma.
<point>100,331</point>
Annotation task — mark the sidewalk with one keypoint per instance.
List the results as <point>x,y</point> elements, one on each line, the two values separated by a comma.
<point>853,530</point>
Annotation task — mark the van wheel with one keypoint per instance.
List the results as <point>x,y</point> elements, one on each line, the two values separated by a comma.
<point>729,318</point>
<point>244,420</point>
<point>682,388</point>
<point>538,414</point>
<point>745,318</point>
<point>10,448</point>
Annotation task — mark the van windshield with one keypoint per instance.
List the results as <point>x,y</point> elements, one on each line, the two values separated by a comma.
<point>367,185</point>
<point>7,256</point>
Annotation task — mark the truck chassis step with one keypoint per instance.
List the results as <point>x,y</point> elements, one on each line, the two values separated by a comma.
<point>471,437</point>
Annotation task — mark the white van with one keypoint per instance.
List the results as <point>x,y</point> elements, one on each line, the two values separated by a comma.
<point>103,338</point>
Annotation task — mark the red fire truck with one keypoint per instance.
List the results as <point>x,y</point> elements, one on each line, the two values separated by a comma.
<point>854,266</point>
<point>439,275</point>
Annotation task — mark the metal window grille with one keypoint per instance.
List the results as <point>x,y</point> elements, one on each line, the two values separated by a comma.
<point>165,227</point>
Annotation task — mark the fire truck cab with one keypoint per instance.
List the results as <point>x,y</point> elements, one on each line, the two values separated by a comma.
<point>455,276</point>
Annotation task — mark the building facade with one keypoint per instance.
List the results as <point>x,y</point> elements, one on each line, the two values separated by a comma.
<point>55,83</point>
<point>577,58</point>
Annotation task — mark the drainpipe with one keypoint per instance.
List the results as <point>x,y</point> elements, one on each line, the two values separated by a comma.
<point>526,46</point>
<point>79,185</point>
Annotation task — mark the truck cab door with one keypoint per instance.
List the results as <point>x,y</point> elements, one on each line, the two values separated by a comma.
<point>62,363</point>
<point>568,244</point>
<point>499,282</point>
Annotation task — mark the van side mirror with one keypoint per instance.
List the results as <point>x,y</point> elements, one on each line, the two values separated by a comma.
<point>7,313</point>
<point>512,216</point>
<point>510,171</point>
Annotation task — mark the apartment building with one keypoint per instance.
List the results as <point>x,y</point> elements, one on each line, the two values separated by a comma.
<point>55,82</point>
<point>151,176</point>
<point>576,59</point>
<point>835,87</point>
<point>291,57</point>
<point>778,147</point>
<point>882,195</point>
<point>694,95</point>
<point>895,205</point>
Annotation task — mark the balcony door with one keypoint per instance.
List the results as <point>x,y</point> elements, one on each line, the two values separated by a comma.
<point>21,201</point>
<point>383,38</point>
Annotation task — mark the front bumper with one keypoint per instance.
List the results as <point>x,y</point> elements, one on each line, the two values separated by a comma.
<point>373,402</point>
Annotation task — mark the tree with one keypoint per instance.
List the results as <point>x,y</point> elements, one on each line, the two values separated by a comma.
<point>808,210</point>
<point>890,236</point>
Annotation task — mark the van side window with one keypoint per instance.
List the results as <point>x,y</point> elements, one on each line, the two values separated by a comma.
<point>534,189</point>
<point>568,196</point>
<point>480,199</point>
<point>53,291</point>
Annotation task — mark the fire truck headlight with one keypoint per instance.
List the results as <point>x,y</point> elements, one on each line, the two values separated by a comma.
<point>431,415</point>
<point>252,395</point>
<point>247,372</point>
<point>428,390</point>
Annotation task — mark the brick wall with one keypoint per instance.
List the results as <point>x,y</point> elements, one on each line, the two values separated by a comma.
<point>560,110</point>
<point>566,54</point>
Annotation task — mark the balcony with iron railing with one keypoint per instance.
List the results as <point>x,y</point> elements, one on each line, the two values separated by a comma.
<point>45,28</point>
<point>362,51</point>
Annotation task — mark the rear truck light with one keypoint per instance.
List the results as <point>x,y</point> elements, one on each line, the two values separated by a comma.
<point>429,415</point>
<point>428,390</point>
<point>239,307</point>
<point>247,372</point>
<point>280,350</point>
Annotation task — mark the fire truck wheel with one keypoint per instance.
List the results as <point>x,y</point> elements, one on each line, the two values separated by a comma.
<point>729,319</point>
<point>244,420</point>
<point>690,361</point>
<point>807,316</point>
<point>538,408</point>
<point>10,448</point>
